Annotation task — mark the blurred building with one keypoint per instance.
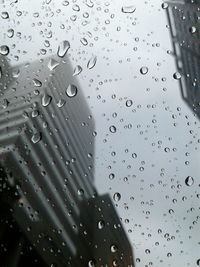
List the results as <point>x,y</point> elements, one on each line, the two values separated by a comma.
<point>184,22</point>
<point>46,174</point>
<point>111,245</point>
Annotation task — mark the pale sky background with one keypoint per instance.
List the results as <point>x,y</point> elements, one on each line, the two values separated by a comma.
<point>123,43</point>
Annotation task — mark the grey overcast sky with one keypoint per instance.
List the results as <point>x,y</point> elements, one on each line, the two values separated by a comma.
<point>155,146</point>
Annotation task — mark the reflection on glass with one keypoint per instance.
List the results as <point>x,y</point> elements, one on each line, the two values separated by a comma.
<point>47,186</point>
<point>183,17</point>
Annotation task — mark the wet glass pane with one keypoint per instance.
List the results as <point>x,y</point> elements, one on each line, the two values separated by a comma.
<point>99,133</point>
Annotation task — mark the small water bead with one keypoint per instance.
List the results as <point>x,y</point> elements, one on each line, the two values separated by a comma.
<point>117,197</point>
<point>63,48</point>
<point>164,5</point>
<point>52,64</point>
<point>80,192</point>
<point>134,155</point>
<point>128,9</point>
<point>84,41</point>
<point>198,262</point>
<point>46,100</point>
<point>37,83</point>
<point>36,137</point>
<point>71,90</point>
<point>91,263</point>
<point>192,29</point>
<point>144,70</point>
<point>112,129</point>
<point>10,33</point>
<point>167,149</point>
<point>61,103</point>
<point>5,103</point>
<point>115,263</point>
<point>4,50</point>
<point>171,211</point>
<point>147,251</point>
<point>35,113</point>
<point>111,176</point>
<point>77,70</point>
<point>113,248</point>
<point>76,8</point>
<point>189,181</point>
<point>92,62</point>
<point>177,75</point>
<point>94,134</point>
<point>101,224</point>
<point>65,3</point>
<point>129,103</point>
<point>4,15</point>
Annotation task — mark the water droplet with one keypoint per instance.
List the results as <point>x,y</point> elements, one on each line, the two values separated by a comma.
<point>193,29</point>
<point>63,48</point>
<point>37,83</point>
<point>84,41</point>
<point>129,103</point>
<point>113,248</point>
<point>52,64</point>
<point>189,181</point>
<point>46,100</point>
<point>65,3</point>
<point>78,69</point>
<point>128,9</point>
<point>92,62</point>
<point>91,263</point>
<point>134,155</point>
<point>115,263</point>
<point>4,15</point>
<point>76,8</point>
<point>89,3</point>
<point>61,103</point>
<point>198,262</point>
<point>35,113</point>
<point>164,5</point>
<point>177,75</point>
<point>80,192</point>
<point>36,137</point>
<point>117,196</point>
<point>112,129</point>
<point>10,33</point>
<point>111,176</point>
<point>5,103</point>
<point>144,70</point>
<point>4,50</point>
<point>101,224</point>
<point>71,90</point>
<point>147,251</point>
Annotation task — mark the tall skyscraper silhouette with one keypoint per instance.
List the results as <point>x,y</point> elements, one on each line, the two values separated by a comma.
<point>183,17</point>
<point>47,158</point>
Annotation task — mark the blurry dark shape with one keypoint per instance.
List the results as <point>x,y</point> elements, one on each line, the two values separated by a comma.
<point>46,158</point>
<point>183,17</point>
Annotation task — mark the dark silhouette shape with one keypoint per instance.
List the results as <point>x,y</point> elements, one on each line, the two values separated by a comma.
<point>183,18</point>
<point>46,158</point>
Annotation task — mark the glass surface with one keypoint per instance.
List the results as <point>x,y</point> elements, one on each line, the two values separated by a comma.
<point>99,133</point>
